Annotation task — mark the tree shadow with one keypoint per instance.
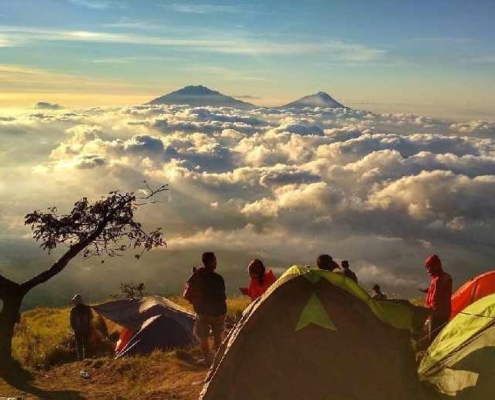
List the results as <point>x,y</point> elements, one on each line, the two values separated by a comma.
<point>21,379</point>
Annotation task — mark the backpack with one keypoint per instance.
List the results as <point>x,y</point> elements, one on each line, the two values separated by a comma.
<point>192,289</point>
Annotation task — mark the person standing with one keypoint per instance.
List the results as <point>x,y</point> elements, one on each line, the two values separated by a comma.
<point>80,322</point>
<point>377,293</point>
<point>348,272</point>
<point>205,290</point>
<point>261,280</point>
<point>438,297</point>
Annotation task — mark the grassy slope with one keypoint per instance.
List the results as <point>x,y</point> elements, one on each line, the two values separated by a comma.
<point>43,343</point>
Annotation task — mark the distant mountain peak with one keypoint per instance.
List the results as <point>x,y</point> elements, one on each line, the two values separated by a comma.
<point>199,96</point>
<point>320,99</point>
<point>196,90</point>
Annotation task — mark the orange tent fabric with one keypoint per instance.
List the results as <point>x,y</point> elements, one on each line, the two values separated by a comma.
<point>124,337</point>
<point>474,289</point>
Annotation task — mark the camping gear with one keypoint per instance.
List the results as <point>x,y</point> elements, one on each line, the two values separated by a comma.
<point>156,323</point>
<point>316,335</point>
<point>460,363</point>
<point>474,289</point>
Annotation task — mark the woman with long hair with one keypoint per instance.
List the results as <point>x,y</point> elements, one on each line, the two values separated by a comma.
<point>261,279</point>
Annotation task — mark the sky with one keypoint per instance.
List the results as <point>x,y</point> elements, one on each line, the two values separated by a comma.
<point>408,170</point>
<point>430,58</point>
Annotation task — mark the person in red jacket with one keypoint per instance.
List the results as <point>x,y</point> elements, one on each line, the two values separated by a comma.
<point>439,294</point>
<point>261,280</point>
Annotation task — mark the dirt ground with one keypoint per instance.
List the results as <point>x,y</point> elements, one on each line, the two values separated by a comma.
<point>155,378</point>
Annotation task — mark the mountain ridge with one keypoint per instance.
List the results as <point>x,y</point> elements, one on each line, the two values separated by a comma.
<point>199,95</point>
<point>320,99</point>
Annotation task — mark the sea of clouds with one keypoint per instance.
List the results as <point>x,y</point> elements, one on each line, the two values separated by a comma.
<point>381,190</point>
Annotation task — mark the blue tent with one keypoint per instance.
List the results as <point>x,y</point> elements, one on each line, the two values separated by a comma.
<point>156,324</point>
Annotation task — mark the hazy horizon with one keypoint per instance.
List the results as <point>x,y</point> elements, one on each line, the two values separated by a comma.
<point>434,60</point>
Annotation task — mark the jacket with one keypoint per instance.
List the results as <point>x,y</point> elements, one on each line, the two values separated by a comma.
<point>439,295</point>
<point>255,290</point>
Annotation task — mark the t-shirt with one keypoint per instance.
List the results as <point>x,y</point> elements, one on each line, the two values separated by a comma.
<point>349,274</point>
<point>379,296</point>
<point>80,319</point>
<point>208,288</point>
<point>255,290</point>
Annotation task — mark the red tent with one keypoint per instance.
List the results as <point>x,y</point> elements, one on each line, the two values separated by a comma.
<point>473,290</point>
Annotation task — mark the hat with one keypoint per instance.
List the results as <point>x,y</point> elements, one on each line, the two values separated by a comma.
<point>77,299</point>
<point>433,262</point>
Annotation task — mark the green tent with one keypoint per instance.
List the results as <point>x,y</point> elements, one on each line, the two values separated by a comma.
<point>460,363</point>
<point>317,335</point>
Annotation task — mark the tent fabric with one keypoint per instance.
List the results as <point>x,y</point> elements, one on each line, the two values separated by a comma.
<point>473,290</point>
<point>157,323</point>
<point>313,335</point>
<point>157,333</point>
<point>460,363</point>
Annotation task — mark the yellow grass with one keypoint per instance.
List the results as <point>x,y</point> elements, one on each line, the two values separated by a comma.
<point>44,336</point>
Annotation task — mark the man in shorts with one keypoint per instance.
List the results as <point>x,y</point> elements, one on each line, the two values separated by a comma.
<point>205,290</point>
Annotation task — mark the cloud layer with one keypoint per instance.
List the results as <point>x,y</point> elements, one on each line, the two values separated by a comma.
<point>382,190</point>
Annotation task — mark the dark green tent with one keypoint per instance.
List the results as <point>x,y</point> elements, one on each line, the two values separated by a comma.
<point>317,335</point>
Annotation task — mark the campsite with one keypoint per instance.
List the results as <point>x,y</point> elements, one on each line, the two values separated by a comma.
<point>325,320</point>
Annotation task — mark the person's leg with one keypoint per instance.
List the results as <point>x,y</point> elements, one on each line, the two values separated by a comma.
<point>202,330</point>
<point>85,343</point>
<point>218,326</point>
<point>205,349</point>
<point>436,325</point>
<point>79,346</point>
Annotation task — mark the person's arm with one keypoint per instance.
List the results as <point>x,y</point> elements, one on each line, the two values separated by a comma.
<point>244,290</point>
<point>72,317</point>
<point>223,289</point>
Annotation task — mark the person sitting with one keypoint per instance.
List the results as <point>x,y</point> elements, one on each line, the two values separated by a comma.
<point>377,293</point>
<point>80,322</point>
<point>348,272</point>
<point>326,263</point>
<point>205,290</point>
<point>261,279</point>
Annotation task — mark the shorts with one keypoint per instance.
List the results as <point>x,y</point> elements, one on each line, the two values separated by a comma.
<point>203,324</point>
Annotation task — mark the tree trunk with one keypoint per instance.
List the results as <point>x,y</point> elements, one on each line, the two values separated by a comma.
<point>8,318</point>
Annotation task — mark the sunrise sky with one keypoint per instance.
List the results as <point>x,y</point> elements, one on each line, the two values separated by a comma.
<point>432,58</point>
<point>406,171</point>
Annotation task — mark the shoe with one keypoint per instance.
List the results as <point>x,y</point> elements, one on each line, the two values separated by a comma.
<point>84,374</point>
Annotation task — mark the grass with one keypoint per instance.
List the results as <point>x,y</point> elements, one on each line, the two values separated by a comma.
<point>44,337</point>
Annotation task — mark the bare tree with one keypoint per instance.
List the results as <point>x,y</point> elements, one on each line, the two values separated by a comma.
<point>104,227</point>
